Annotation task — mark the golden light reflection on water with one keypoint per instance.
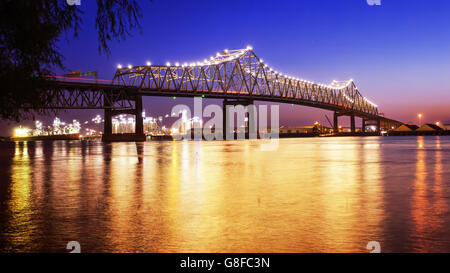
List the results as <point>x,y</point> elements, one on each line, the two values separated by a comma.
<point>21,200</point>
<point>310,195</point>
<point>429,208</point>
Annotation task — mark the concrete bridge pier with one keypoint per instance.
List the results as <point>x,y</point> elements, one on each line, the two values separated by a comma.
<point>138,134</point>
<point>228,131</point>
<point>336,123</point>
<point>352,123</point>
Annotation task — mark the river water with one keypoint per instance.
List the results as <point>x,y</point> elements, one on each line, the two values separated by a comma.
<point>308,195</point>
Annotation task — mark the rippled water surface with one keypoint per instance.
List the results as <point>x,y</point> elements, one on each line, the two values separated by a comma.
<point>309,195</point>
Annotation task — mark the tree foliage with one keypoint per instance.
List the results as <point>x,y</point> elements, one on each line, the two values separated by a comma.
<point>29,34</point>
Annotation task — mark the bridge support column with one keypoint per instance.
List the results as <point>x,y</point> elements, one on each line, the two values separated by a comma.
<point>138,134</point>
<point>228,131</point>
<point>363,125</point>
<point>378,126</point>
<point>139,125</point>
<point>225,118</point>
<point>352,123</point>
<point>336,123</point>
<point>107,125</point>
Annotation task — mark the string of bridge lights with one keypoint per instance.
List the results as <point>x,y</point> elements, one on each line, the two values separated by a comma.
<point>231,55</point>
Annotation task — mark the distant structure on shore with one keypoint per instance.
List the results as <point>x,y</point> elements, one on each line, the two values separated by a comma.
<point>425,129</point>
<point>153,128</point>
<point>317,128</point>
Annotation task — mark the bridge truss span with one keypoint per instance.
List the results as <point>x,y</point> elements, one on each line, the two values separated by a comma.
<point>241,73</point>
<point>78,95</point>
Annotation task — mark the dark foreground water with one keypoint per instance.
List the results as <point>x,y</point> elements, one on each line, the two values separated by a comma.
<point>309,195</point>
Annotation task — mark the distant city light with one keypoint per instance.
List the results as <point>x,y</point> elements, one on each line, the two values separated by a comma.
<point>21,132</point>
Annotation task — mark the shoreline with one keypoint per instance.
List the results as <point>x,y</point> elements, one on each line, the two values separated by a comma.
<point>168,138</point>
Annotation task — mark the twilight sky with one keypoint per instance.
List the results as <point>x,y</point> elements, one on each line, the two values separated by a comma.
<point>397,53</point>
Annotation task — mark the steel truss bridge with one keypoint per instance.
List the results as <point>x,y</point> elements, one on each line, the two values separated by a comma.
<point>233,75</point>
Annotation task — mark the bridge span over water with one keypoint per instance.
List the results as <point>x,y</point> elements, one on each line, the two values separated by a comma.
<point>237,76</point>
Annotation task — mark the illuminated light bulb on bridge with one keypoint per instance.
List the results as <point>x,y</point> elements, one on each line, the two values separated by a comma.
<point>177,64</point>
<point>119,66</point>
<point>249,47</point>
<point>129,66</point>
<point>168,64</point>
<point>261,60</point>
<point>211,58</point>
<point>205,61</point>
<point>225,50</point>
<point>218,54</point>
<point>149,63</point>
